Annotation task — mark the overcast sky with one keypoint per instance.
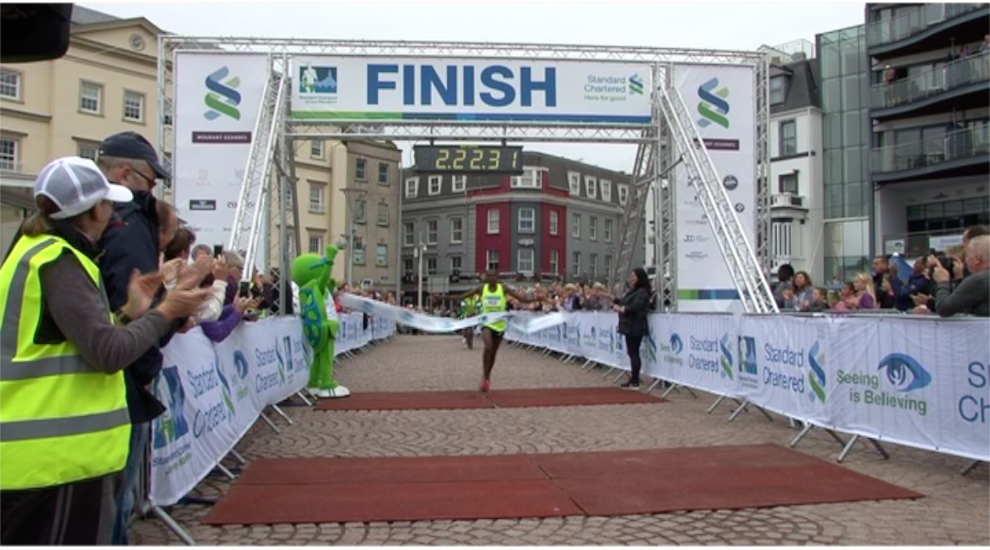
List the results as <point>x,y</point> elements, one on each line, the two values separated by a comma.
<point>737,26</point>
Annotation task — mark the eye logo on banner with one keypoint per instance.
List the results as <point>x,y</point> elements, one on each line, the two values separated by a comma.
<point>713,107</point>
<point>904,372</point>
<point>172,424</point>
<point>816,359</point>
<point>240,375</point>
<point>676,344</point>
<point>901,371</point>
<point>317,80</point>
<point>223,97</point>
<point>726,360</point>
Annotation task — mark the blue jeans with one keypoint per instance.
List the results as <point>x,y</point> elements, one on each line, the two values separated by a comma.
<point>140,434</point>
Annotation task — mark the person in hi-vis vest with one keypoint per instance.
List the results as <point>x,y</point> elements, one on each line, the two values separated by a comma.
<point>64,425</point>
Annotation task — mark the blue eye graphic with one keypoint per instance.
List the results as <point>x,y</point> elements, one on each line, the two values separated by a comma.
<point>904,372</point>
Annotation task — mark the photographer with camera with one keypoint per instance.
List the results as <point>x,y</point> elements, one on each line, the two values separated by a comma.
<point>972,295</point>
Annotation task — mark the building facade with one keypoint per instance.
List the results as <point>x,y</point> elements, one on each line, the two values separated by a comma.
<point>929,103</point>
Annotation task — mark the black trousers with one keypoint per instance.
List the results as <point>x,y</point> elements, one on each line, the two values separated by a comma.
<point>635,360</point>
<point>75,514</point>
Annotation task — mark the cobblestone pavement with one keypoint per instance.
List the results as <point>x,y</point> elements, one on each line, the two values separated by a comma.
<point>955,510</point>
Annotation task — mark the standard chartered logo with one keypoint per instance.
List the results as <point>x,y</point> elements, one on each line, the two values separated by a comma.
<point>816,359</point>
<point>725,361</point>
<point>635,85</point>
<point>223,97</point>
<point>713,107</point>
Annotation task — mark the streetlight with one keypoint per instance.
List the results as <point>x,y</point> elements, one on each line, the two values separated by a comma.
<point>352,196</point>
<point>419,252</point>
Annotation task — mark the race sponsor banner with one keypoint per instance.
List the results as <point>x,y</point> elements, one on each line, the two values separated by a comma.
<point>697,351</point>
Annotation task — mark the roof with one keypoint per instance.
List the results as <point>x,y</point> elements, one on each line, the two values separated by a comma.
<point>86,16</point>
<point>801,90</point>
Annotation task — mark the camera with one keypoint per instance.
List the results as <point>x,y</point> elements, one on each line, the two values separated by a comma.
<point>944,261</point>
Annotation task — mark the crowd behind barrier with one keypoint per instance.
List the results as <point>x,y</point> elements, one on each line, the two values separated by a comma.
<point>915,381</point>
<point>215,392</point>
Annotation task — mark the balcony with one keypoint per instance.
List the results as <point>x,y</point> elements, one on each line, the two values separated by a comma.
<point>960,153</point>
<point>787,200</point>
<point>959,84</point>
<point>925,27</point>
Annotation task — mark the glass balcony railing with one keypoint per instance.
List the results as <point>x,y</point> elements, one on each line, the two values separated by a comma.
<point>939,80</point>
<point>961,144</point>
<point>916,20</point>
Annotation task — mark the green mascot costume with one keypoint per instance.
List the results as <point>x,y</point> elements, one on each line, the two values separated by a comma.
<point>312,274</point>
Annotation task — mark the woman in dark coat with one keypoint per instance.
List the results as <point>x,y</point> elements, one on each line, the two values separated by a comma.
<point>633,309</point>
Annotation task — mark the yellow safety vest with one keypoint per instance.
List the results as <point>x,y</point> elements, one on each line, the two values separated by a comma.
<point>493,302</point>
<point>61,420</point>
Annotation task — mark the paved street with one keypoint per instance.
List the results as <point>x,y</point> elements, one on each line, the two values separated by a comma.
<point>955,510</point>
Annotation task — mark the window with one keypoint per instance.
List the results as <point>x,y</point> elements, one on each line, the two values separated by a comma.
<point>608,231</point>
<point>492,259</point>
<point>407,267</point>
<point>381,255</point>
<point>383,214</point>
<point>590,186</point>
<point>412,188</point>
<point>360,213</point>
<point>361,169</point>
<point>554,222</point>
<point>788,183</point>
<point>608,266</point>
<point>316,148</point>
<point>133,107</point>
<point>431,231</point>
<point>359,254</point>
<point>776,90</point>
<point>455,264</point>
<point>408,234</point>
<point>316,197</point>
<point>10,154</point>
<point>90,98</point>
<point>606,190</point>
<point>577,263</point>
<point>527,220</point>
<point>456,230</point>
<point>435,185</point>
<point>525,264</point>
<point>623,193</point>
<point>574,182</point>
<point>781,239</point>
<point>88,150</point>
<point>382,173</point>
<point>492,221</point>
<point>555,262</point>
<point>316,243</point>
<point>576,229</point>
<point>460,184</point>
<point>593,228</point>
<point>594,266</point>
<point>10,84</point>
<point>788,138</point>
<point>531,178</point>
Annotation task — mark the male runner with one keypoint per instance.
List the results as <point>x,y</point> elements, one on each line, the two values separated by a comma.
<point>492,294</point>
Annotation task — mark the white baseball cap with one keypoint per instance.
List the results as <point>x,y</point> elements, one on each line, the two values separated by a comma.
<point>76,185</point>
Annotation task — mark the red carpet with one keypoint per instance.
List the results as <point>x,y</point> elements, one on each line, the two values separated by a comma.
<point>331,490</point>
<point>551,397</point>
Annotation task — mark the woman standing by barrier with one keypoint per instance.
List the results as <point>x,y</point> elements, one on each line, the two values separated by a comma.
<point>633,322</point>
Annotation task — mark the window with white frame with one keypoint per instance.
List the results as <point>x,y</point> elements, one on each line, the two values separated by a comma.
<point>381,255</point>
<point>491,258</point>
<point>623,193</point>
<point>459,184</point>
<point>788,183</point>
<point>315,243</point>
<point>525,260</point>
<point>576,227</point>
<point>576,267</point>
<point>90,98</point>
<point>431,266</point>
<point>133,107</point>
<point>527,220</point>
<point>10,84</point>
<point>574,182</point>
<point>781,239</point>
<point>554,222</point>
<point>456,230</point>
<point>606,190</point>
<point>361,169</point>
<point>316,197</point>
<point>360,211</point>
<point>10,154</point>
<point>608,266</point>
<point>383,213</point>
<point>435,182</point>
<point>531,178</point>
<point>316,148</point>
<point>88,150</point>
<point>555,262</point>
<point>455,264</point>
<point>594,266</point>
<point>359,253</point>
<point>788,138</point>
<point>408,234</point>
<point>590,186</point>
<point>412,188</point>
<point>493,225</point>
<point>593,228</point>
<point>382,173</point>
<point>608,230</point>
<point>431,231</point>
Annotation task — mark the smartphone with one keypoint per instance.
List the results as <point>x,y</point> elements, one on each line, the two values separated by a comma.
<point>217,250</point>
<point>244,290</point>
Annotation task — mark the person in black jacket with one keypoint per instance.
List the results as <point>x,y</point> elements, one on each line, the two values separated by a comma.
<point>633,309</point>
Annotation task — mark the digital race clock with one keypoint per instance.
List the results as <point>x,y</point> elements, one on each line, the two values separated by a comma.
<point>469,158</point>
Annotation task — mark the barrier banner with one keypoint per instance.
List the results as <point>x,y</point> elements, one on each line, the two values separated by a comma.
<point>697,351</point>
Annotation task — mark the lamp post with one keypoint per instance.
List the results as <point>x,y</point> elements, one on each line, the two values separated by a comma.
<point>418,251</point>
<point>352,195</point>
